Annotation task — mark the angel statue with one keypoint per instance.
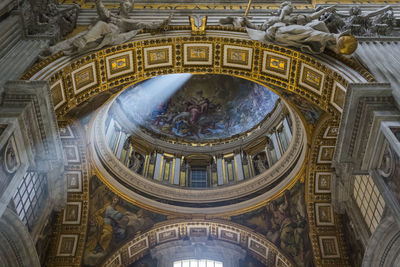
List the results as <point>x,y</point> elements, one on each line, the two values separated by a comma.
<point>110,29</point>
<point>380,21</point>
<point>302,31</point>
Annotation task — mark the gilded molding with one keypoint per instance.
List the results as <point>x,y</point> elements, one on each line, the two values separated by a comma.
<point>327,239</point>
<point>125,182</point>
<point>304,75</point>
<point>325,231</point>
<point>246,238</point>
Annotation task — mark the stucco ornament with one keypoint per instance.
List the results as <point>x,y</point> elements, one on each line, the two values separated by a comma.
<point>302,31</point>
<point>110,29</point>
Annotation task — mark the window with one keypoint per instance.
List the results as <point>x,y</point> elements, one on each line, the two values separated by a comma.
<point>369,200</point>
<point>28,199</point>
<point>198,177</point>
<point>198,263</point>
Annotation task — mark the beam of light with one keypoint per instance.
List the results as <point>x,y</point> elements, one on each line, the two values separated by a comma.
<point>151,95</point>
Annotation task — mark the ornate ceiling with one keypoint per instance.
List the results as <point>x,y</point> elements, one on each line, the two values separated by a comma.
<point>314,88</point>
<point>197,107</point>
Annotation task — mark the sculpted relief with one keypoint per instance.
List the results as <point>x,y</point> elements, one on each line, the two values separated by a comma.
<point>110,29</point>
<point>9,161</point>
<point>44,17</point>
<point>309,32</point>
<point>315,32</point>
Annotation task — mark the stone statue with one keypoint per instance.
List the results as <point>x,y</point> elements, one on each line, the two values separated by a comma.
<point>384,23</point>
<point>110,29</point>
<point>302,31</point>
<point>285,15</point>
<point>359,23</point>
<point>127,143</point>
<point>333,21</point>
<point>260,164</point>
<point>135,162</point>
<point>379,22</point>
<point>44,17</point>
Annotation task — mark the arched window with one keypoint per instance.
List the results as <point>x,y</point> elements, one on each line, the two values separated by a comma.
<point>197,263</point>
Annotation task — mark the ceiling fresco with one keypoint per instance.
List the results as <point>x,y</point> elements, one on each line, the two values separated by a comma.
<point>113,221</point>
<point>284,222</point>
<point>197,107</point>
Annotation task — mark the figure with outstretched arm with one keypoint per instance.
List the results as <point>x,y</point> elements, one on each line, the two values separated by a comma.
<point>302,31</point>
<point>115,29</point>
<point>110,29</point>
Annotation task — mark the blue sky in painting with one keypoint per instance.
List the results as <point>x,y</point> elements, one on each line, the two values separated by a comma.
<point>197,107</point>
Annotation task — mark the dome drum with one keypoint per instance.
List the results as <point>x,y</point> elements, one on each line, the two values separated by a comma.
<point>226,197</point>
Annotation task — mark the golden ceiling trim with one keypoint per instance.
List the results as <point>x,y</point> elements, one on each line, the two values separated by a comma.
<point>67,245</point>
<point>199,159</point>
<point>256,146</point>
<point>325,238</point>
<point>325,227</point>
<point>125,183</point>
<point>141,145</point>
<point>179,229</point>
<point>239,57</point>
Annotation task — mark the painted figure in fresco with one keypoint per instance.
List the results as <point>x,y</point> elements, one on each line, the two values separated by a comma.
<point>212,108</point>
<point>194,119</point>
<point>159,113</point>
<point>283,222</point>
<point>286,228</point>
<point>310,113</point>
<point>197,106</point>
<point>114,217</point>
<point>110,29</point>
<point>110,225</point>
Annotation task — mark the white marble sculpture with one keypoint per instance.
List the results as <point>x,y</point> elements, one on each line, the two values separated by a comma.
<point>302,31</point>
<point>110,29</point>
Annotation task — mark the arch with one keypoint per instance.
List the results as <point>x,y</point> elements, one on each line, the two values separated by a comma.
<point>200,248</point>
<point>322,81</point>
<point>76,80</point>
<point>17,247</point>
<point>384,245</point>
<point>201,231</point>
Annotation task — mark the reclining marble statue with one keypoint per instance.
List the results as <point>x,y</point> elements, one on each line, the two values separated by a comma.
<point>110,29</point>
<point>302,31</point>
